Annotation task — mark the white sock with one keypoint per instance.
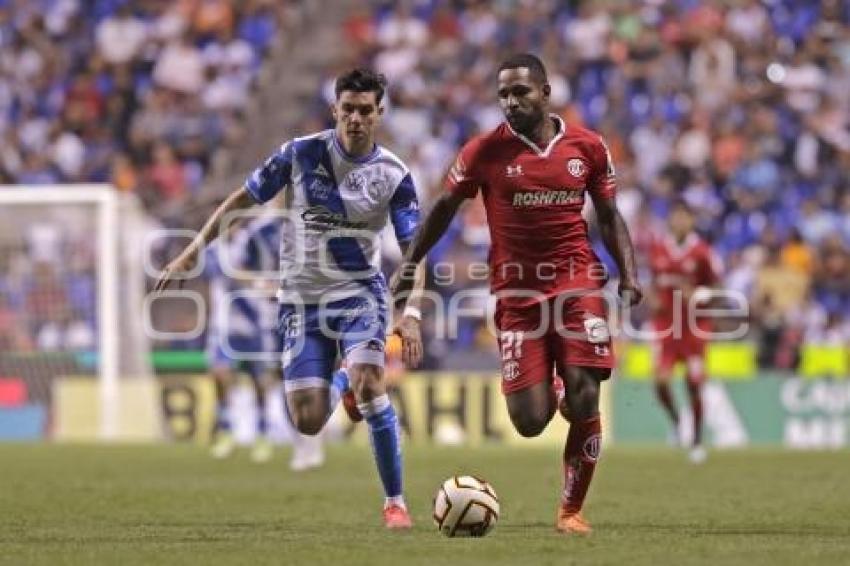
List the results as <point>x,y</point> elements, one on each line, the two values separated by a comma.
<point>397,500</point>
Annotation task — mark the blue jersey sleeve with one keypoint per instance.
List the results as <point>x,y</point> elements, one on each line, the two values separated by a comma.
<point>404,210</point>
<point>268,179</point>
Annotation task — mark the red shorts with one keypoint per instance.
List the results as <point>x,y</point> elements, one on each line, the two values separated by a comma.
<point>535,340</point>
<point>688,349</point>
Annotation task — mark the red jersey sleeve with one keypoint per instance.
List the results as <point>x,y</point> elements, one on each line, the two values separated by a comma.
<point>602,181</point>
<point>711,268</point>
<point>464,177</point>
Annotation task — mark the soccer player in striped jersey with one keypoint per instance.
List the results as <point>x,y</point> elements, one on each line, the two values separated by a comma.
<point>339,188</point>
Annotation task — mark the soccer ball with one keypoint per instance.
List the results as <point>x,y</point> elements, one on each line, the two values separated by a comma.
<point>466,506</point>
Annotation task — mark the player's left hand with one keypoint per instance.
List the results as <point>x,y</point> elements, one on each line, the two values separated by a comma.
<point>411,341</point>
<point>630,292</point>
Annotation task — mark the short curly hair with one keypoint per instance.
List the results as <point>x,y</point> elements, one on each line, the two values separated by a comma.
<point>526,60</point>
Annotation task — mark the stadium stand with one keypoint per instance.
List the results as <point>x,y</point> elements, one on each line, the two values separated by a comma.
<point>739,107</point>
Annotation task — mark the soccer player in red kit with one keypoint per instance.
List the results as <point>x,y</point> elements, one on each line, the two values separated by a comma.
<point>534,173</point>
<point>684,269</point>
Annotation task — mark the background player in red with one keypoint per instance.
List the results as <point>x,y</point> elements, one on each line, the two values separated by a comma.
<point>534,173</point>
<point>684,268</point>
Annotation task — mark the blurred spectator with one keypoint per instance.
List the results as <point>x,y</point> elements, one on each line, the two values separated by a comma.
<point>748,21</point>
<point>816,223</point>
<point>712,72</point>
<point>124,175</point>
<point>212,17</point>
<point>66,334</point>
<point>401,27</point>
<point>67,153</point>
<point>166,174</point>
<point>13,335</point>
<point>120,37</point>
<point>797,255</point>
<point>740,107</point>
<point>45,296</point>
<point>180,67</point>
<point>780,286</point>
<point>693,148</point>
<point>778,296</point>
<point>828,329</point>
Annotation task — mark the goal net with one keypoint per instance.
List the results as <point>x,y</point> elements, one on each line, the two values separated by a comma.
<point>71,290</point>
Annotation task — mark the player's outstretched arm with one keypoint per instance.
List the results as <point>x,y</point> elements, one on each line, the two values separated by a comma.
<point>238,200</point>
<point>615,235</point>
<point>408,326</point>
<point>429,233</point>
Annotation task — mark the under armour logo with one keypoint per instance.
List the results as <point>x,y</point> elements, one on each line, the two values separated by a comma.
<point>513,170</point>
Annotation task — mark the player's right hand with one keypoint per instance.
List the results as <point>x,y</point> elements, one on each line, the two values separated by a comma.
<point>630,292</point>
<point>411,341</point>
<point>183,263</point>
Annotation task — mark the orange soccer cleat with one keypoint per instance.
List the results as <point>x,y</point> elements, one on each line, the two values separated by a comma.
<point>571,523</point>
<point>397,517</point>
<point>349,403</point>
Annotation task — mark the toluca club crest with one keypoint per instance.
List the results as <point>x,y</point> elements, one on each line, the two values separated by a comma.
<point>576,167</point>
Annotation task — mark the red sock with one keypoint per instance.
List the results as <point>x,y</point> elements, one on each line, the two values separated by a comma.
<point>581,453</point>
<point>696,408</point>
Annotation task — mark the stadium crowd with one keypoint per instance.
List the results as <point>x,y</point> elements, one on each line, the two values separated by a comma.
<point>142,94</point>
<point>739,106</point>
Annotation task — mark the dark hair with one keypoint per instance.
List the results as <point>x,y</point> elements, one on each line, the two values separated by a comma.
<point>528,61</point>
<point>678,203</point>
<point>362,80</point>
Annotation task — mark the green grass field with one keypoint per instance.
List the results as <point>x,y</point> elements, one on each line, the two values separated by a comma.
<point>173,505</point>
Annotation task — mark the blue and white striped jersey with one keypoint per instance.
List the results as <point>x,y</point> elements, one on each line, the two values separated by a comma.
<point>335,209</point>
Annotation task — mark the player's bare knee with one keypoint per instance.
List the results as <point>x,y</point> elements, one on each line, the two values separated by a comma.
<point>307,420</point>
<point>528,424</point>
<point>308,410</point>
<point>529,427</point>
<point>367,381</point>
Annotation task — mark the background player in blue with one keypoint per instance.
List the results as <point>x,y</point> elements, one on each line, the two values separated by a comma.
<point>241,334</point>
<point>235,329</point>
<point>339,189</point>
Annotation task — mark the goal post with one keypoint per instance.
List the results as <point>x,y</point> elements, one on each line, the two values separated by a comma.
<point>59,245</point>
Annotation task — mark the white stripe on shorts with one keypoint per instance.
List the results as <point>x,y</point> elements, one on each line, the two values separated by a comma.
<point>362,354</point>
<point>304,383</point>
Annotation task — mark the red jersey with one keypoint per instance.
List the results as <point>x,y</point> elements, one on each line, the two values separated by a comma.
<point>533,197</point>
<point>677,267</point>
